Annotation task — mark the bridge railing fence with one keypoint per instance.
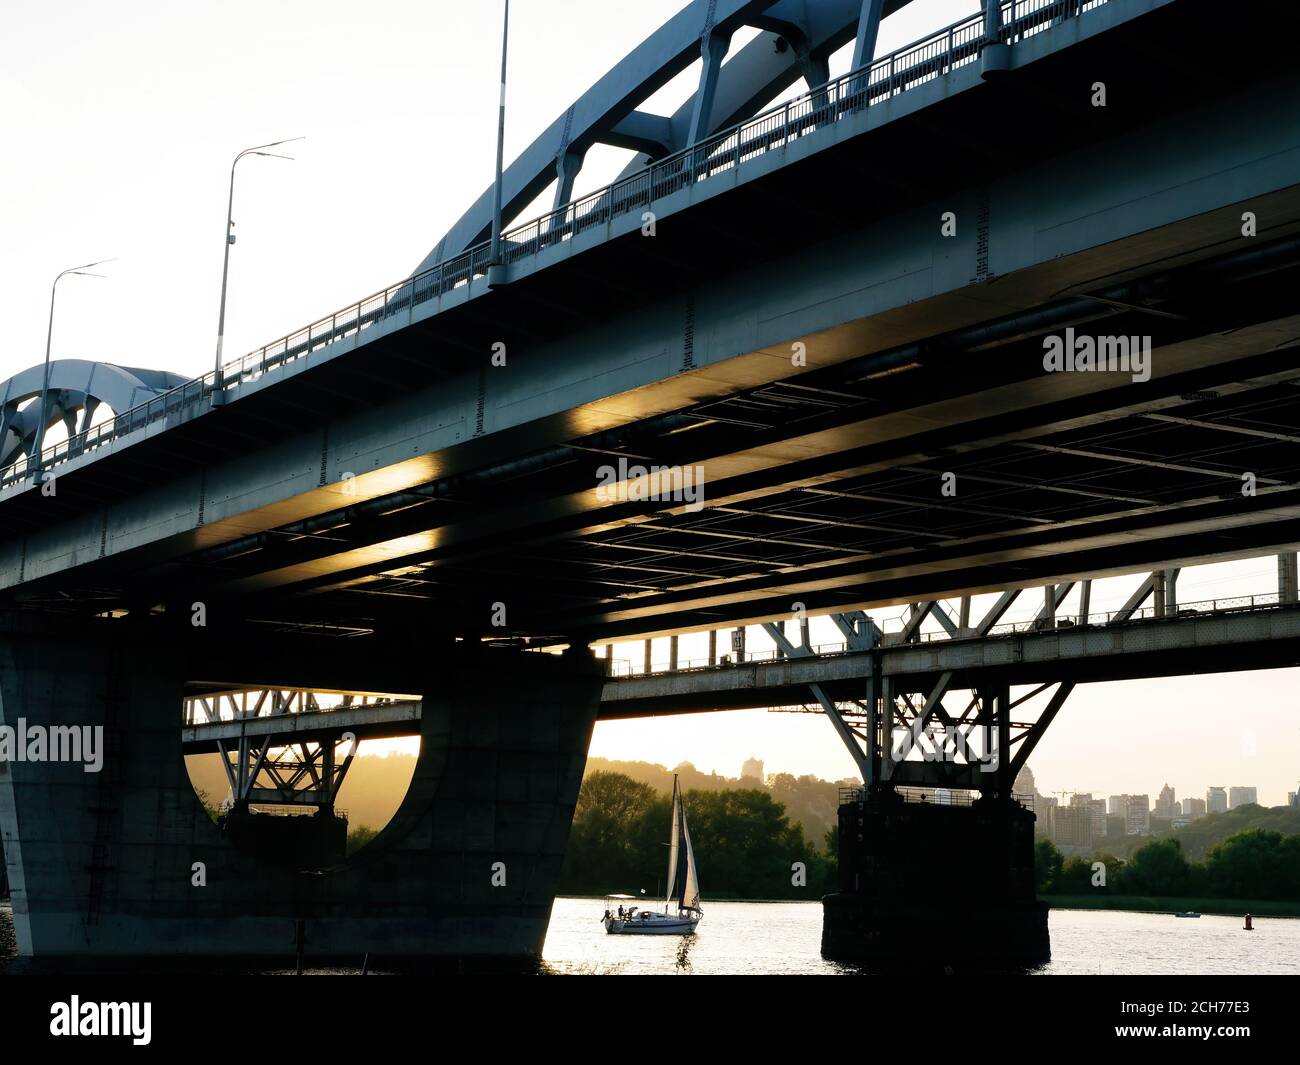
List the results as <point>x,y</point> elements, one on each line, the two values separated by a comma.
<point>623,667</point>
<point>931,57</point>
<point>216,710</point>
<point>936,796</point>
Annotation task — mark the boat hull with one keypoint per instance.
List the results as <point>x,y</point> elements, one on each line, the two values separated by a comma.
<point>671,927</point>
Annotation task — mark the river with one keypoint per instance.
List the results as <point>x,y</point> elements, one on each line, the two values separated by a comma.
<point>756,938</point>
<point>785,937</point>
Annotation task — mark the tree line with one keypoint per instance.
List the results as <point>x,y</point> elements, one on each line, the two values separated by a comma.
<point>745,844</point>
<point>1254,864</point>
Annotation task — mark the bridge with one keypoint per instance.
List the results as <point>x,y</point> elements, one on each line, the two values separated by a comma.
<point>1150,636</point>
<point>797,359</point>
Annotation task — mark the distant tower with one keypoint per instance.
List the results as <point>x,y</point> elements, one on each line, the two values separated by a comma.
<point>1241,797</point>
<point>752,770</point>
<point>1216,800</point>
<point>1137,815</point>
<point>1167,804</point>
<point>1025,784</point>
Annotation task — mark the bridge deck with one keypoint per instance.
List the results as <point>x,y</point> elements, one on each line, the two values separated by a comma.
<point>1259,635</point>
<point>428,489</point>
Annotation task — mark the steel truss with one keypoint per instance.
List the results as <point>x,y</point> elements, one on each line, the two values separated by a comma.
<point>267,770</point>
<point>901,735</point>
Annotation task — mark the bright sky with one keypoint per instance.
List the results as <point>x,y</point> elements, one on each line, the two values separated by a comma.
<point>120,121</point>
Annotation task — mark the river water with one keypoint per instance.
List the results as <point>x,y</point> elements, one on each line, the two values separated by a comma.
<point>755,938</point>
<point>785,938</point>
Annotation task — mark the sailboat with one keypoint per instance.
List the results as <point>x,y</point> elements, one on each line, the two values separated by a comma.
<point>681,903</point>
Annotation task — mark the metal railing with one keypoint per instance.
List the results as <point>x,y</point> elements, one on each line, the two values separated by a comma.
<point>199,711</point>
<point>932,796</point>
<point>1065,622</point>
<point>623,668</point>
<point>915,64</point>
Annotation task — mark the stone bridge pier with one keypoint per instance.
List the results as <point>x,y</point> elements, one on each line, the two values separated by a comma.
<point>122,860</point>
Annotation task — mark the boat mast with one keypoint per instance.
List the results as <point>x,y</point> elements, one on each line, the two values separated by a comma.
<point>674,843</point>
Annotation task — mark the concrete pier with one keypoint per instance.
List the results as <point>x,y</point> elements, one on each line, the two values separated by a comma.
<point>125,862</point>
<point>933,886</point>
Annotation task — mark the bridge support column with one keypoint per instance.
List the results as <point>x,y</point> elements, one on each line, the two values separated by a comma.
<point>929,886</point>
<point>567,166</point>
<point>125,862</point>
<point>942,883</point>
<point>713,48</point>
<point>864,47</point>
<point>1288,587</point>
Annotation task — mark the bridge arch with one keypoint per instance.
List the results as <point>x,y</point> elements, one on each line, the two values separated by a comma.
<point>795,41</point>
<point>77,389</point>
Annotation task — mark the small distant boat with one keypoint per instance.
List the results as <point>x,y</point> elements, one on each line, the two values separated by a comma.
<point>1187,913</point>
<point>683,890</point>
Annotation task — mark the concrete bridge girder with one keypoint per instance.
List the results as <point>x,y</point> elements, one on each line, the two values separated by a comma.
<point>226,505</point>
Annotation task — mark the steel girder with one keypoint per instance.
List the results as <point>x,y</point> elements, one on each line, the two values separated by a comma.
<point>796,39</point>
<point>77,388</point>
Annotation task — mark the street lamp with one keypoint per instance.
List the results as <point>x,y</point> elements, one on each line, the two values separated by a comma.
<point>495,259</point>
<point>79,271</point>
<point>230,238</point>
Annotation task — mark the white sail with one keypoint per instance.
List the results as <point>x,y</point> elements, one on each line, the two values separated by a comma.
<point>683,881</point>
<point>690,897</point>
<point>674,845</point>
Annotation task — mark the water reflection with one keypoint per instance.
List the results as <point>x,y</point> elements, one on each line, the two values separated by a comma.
<point>684,953</point>
<point>778,938</point>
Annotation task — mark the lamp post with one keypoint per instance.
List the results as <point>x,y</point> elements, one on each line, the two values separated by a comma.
<point>230,239</point>
<point>79,271</point>
<point>501,140</point>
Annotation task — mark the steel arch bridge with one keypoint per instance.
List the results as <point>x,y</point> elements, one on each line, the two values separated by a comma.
<point>795,42</point>
<point>77,389</point>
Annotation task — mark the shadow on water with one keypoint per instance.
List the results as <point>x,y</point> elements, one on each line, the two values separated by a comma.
<point>11,965</point>
<point>373,965</point>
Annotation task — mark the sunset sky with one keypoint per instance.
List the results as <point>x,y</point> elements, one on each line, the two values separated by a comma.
<point>118,144</point>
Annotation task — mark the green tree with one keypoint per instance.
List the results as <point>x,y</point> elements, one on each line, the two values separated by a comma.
<point>1047,865</point>
<point>602,855</point>
<point>358,837</point>
<point>750,846</point>
<point>783,784</point>
<point>832,840</point>
<point>1255,864</point>
<point>1159,868</point>
<point>1074,877</point>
